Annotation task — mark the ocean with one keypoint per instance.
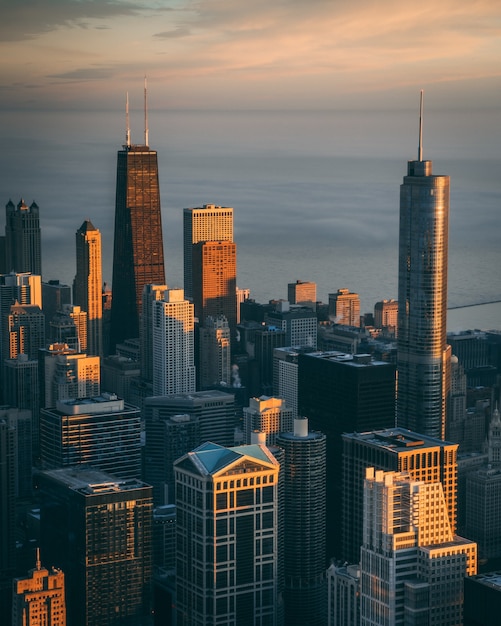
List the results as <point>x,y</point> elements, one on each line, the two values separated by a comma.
<point>315,194</point>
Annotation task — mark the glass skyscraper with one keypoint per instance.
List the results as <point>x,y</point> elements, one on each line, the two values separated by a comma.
<point>423,356</point>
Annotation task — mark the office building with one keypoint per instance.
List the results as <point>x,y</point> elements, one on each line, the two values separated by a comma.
<point>8,466</point>
<point>423,356</point>
<point>173,344</point>
<point>69,326</point>
<point>25,331</point>
<point>55,296</point>
<point>207,223</point>
<point>267,415</point>
<point>214,278</point>
<point>302,292</point>
<point>343,595</point>
<point>164,539</point>
<point>88,284</point>
<point>104,432</point>
<point>215,352</point>
<point>21,391</point>
<point>242,296</point>
<point>425,458</point>
<point>121,375</point>
<point>299,323</point>
<point>138,254</point>
<point>167,438</point>
<point>20,421</point>
<point>342,393</point>
<point>304,482</point>
<point>151,293</point>
<point>412,565</point>
<point>39,598</point>
<point>285,374</point>
<point>97,529</point>
<point>214,409</point>
<point>482,597</point>
<point>386,316</point>
<point>344,307</point>
<point>22,238</point>
<point>64,373</point>
<point>227,536</point>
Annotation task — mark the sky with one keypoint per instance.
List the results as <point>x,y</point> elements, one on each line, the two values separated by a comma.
<point>263,54</point>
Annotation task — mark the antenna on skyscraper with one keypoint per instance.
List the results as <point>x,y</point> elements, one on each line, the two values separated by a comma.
<point>145,113</point>
<point>127,126</point>
<point>420,147</point>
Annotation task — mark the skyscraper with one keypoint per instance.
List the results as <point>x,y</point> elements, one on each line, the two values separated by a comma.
<point>301,292</point>
<point>215,352</point>
<point>97,529</point>
<point>304,524</point>
<point>344,307</point>
<point>207,223</point>
<point>267,415</point>
<point>138,255</point>
<point>173,344</point>
<point>423,356</point>
<point>227,536</point>
<point>88,284</point>
<point>150,294</point>
<point>22,238</point>
<point>38,599</point>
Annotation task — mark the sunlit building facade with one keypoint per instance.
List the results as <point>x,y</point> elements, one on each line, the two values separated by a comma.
<point>227,537</point>
<point>88,284</point>
<point>173,344</point>
<point>151,293</point>
<point>344,307</point>
<point>267,415</point>
<point>423,356</point>
<point>302,291</point>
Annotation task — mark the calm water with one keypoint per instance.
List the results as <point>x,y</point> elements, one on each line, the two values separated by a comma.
<point>315,194</point>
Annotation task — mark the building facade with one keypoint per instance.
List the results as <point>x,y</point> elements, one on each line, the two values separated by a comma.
<point>344,307</point>
<point>151,293</point>
<point>88,284</point>
<point>267,415</point>
<point>22,238</point>
<point>215,352</point>
<point>302,291</point>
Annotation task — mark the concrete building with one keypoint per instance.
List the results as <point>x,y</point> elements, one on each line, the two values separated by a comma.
<point>304,479</point>
<point>215,352</point>
<point>343,595</point>
<point>344,307</point>
<point>299,323</point>
<point>482,597</point>
<point>302,292</point>
<point>386,316</point>
<point>55,296</point>
<point>151,293</point>
<point>97,529</point>
<point>412,565</point>
<point>39,598</point>
<point>267,415</point>
<point>69,326</point>
<point>173,344</point>
<point>227,537</point>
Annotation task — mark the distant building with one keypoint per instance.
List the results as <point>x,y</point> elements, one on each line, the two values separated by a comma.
<point>482,598</point>
<point>55,296</point>
<point>215,352</point>
<point>39,598</point>
<point>344,307</point>
<point>386,316</point>
<point>227,527</point>
<point>267,415</point>
<point>22,392</point>
<point>69,325</point>
<point>22,238</point>
<point>97,529</point>
<point>299,323</point>
<point>151,293</point>
<point>302,292</point>
<point>8,468</point>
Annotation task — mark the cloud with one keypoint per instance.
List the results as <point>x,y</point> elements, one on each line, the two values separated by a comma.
<point>170,34</point>
<point>87,73</point>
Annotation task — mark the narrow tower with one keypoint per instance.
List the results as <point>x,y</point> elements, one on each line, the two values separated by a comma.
<point>138,257</point>
<point>423,356</point>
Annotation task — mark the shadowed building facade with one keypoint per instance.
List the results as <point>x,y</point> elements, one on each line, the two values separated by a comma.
<point>138,256</point>
<point>423,356</point>
<point>22,238</point>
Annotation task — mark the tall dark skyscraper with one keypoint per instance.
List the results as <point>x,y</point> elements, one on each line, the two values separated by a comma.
<point>423,356</point>
<point>138,257</point>
<point>22,238</point>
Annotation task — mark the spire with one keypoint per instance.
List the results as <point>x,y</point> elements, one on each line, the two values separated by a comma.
<point>145,113</point>
<point>127,126</point>
<point>38,561</point>
<point>420,145</point>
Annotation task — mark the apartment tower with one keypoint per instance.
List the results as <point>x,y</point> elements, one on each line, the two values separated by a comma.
<point>138,255</point>
<point>423,356</point>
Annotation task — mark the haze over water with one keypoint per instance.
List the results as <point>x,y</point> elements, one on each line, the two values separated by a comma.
<point>316,194</point>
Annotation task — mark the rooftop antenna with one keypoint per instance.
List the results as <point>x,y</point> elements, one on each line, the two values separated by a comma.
<point>38,561</point>
<point>145,113</point>
<point>420,146</point>
<point>127,126</point>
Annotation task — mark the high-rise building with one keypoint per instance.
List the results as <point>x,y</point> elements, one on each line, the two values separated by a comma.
<point>242,296</point>
<point>304,482</point>
<point>138,254</point>
<point>104,432</point>
<point>20,421</point>
<point>412,565</point>
<point>482,597</point>
<point>227,536</point>
<point>214,278</point>
<point>344,307</point>
<point>22,238</point>
<point>21,390</point>
<point>150,294</point>
<point>423,356</point>
<point>267,415</point>
<point>207,223</point>
<point>386,315</point>
<point>342,393</point>
<point>55,296</point>
<point>39,598</point>
<point>302,292</point>
<point>343,595</point>
<point>173,344</point>
<point>299,323</point>
<point>69,326</point>
<point>215,411</point>
<point>97,529</point>
<point>215,352</point>
<point>88,284</point>
<point>8,455</point>
<point>425,458</point>
<point>25,331</point>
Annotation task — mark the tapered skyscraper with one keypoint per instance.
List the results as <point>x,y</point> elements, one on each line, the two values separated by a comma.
<point>138,257</point>
<point>89,284</point>
<point>423,359</point>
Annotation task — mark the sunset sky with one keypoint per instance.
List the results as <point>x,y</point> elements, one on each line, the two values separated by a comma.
<point>270,54</point>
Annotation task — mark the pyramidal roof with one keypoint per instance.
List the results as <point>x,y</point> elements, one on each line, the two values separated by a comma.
<point>86,227</point>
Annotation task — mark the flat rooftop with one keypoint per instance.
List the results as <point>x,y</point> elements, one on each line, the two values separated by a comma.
<point>398,439</point>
